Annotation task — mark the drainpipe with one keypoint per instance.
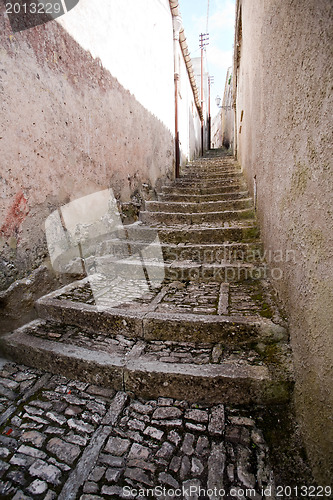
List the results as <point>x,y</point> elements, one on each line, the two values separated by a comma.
<point>235,131</point>
<point>177,24</point>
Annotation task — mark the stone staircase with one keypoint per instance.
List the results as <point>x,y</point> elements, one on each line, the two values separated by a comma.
<point>176,305</point>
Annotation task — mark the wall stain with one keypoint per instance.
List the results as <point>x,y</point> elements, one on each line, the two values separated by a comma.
<point>299,179</point>
<point>15,216</point>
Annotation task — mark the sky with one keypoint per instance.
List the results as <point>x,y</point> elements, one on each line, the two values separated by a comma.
<point>221,22</point>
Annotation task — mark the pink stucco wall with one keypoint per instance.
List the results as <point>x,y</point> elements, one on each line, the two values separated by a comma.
<point>68,128</point>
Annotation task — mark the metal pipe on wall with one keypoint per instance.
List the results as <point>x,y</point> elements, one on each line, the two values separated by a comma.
<point>179,38</point>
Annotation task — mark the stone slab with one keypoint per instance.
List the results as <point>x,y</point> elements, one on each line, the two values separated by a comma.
<point>231,381</point>
<point>72,361</point>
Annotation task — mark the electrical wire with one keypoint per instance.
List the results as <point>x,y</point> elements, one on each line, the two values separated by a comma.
<point>207,16</point>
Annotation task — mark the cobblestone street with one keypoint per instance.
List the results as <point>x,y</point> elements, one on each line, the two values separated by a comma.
<point>66,439</point>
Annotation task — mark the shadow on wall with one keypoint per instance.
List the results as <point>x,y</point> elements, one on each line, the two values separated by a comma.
<point>69,130</point>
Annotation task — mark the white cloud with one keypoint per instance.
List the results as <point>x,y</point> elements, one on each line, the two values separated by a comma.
<point>224,15</point>
<point>218,57</point>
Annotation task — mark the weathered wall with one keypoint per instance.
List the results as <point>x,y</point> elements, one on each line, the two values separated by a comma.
<point>188,118</point>
<point>216,137</point>
<point>69,128</point>
<point>228,116</point>
<point>285,101</point>
<point>134,41</point>
<point>144,59</point>
<point>196,63</point>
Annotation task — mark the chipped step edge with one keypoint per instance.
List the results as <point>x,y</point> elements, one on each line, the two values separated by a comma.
<point>228,382</point>
<point>152,325</point>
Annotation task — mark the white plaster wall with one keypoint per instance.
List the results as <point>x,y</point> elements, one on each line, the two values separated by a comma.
<point>188,115</point>
<point>216,137</point>
<point>134,41</point>
<point>228,117</point>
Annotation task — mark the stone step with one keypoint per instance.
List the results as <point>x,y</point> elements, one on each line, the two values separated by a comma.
<point>203,198</point>
<point>204,253</point>
<point>193,312</point>
<point>113,256</point>
<point>209,179</point>
<point>246,231</point>
<point>214,189</point>
<point>177,270</point>
<point>150,369</point>
<point>194,218</point>
<point>195,207</point>
<point>189,176</point>
<point>210,169</point>
<point>209,163</point>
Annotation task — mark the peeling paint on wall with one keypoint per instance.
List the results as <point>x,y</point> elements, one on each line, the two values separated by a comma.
<point>15,216</point>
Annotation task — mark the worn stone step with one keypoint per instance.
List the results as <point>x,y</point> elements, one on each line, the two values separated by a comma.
<point>135,267</point>
<point>195,218</point>
<point>246,231</point>
<point>195,176</point>
<point>209,170</point>
<point>224,272</point>
<point>126,240</point>
<point>157,316</point>
<point>114,307</point>
<point>203,198</point>
<point>198,164</point>
<point>218,188</point>
<point>195,207</point>
<point>179,270</point>
<point>207,176</point>
<point>151,369</point>
<point>209,180</point>
<point>204,253</point>
<point>209,164</point>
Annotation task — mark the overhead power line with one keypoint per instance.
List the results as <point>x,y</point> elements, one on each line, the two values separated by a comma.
<point>207,16</point>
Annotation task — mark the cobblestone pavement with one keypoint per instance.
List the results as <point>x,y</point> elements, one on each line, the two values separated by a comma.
<point>67,439</point>
<point>250,298</point>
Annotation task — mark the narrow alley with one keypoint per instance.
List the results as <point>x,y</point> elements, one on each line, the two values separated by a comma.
<point>211,333</point>
<point>166,278</point>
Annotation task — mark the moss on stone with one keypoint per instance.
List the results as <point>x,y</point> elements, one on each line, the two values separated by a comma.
<point>299,179</point>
